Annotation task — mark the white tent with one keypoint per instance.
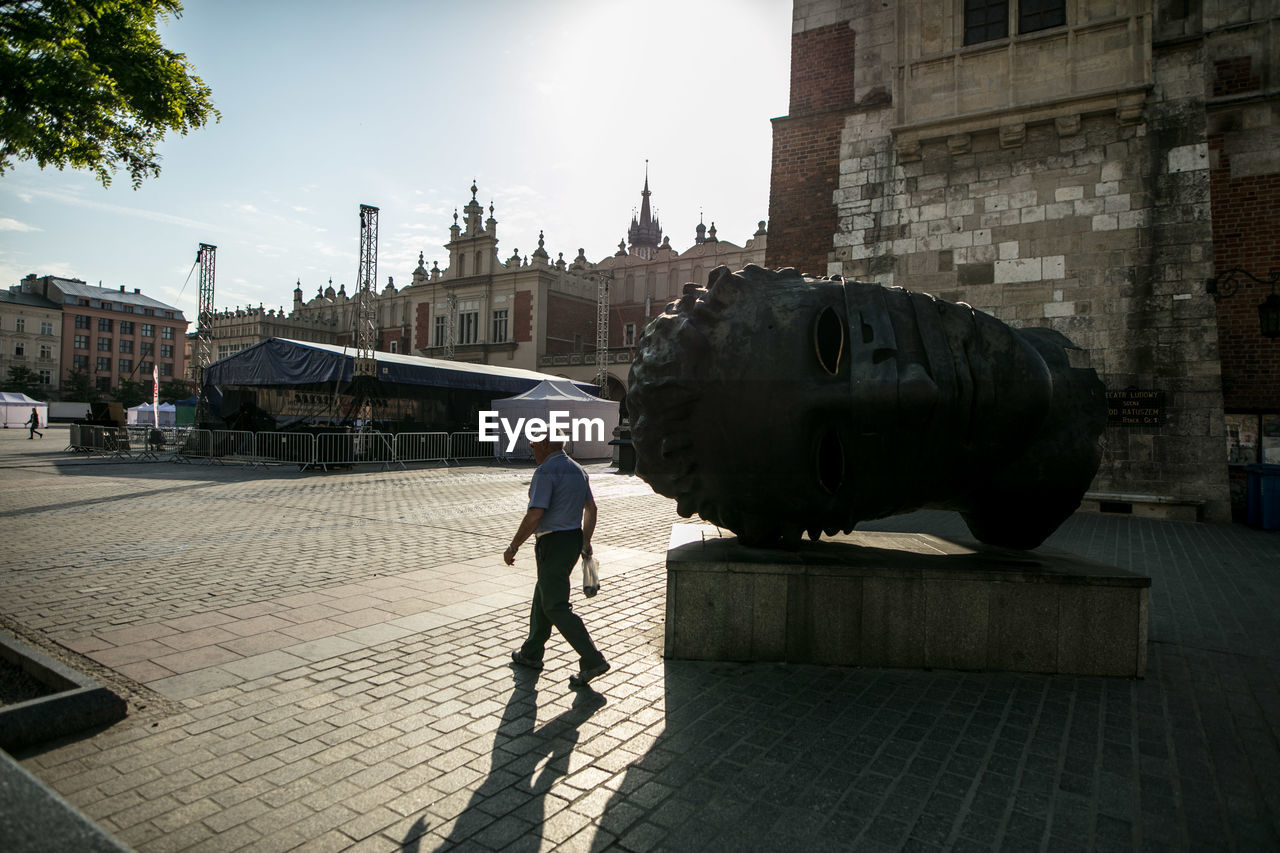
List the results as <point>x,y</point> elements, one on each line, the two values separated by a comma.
<point>17,410</point>
<point>581,409</point>
<point>144,415</point>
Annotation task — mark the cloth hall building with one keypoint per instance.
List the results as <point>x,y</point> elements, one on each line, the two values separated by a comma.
<point>531,312</point>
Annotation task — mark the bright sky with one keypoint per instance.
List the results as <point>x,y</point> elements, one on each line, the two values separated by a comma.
<point>552,107</point>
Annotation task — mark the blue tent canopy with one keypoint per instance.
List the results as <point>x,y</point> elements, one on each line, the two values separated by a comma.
<point>280,361</point>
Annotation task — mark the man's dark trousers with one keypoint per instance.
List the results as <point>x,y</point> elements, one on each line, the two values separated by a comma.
<point>556,554</point>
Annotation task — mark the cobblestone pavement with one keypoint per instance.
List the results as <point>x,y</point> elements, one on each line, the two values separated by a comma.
<point>320,662</point>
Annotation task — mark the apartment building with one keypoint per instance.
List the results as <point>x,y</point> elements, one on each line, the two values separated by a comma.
<point>112,335</point>
<point>30,336</point>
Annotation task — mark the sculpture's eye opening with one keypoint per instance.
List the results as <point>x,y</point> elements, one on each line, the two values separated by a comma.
<point>828,340</point>
<point>830,461</point>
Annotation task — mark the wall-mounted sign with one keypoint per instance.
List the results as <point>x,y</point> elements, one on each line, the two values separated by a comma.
<point>1132,407</point>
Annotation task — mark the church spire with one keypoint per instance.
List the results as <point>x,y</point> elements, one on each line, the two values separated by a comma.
<point>645,233</point>
<point>645,215</point>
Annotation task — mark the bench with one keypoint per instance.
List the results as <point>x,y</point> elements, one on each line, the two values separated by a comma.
<point>1144,506</point>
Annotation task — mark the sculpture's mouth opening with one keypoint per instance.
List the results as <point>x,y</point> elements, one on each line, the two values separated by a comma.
<point>828,346</point>
<point>830,461</point>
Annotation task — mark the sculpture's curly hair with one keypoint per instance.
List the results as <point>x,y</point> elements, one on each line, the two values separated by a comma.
<point>672,359</point>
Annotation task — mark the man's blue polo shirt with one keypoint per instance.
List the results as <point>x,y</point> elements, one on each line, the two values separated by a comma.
<point>560,488</point>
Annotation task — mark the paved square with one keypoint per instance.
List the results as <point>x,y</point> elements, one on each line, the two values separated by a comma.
<point>320,662</point>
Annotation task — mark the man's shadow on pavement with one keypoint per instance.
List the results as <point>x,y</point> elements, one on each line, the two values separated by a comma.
<point>781,757</point>
<point>526,761</point>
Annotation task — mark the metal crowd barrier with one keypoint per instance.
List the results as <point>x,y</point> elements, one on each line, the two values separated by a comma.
<point>467,445</point>
<point>134,441</point>
<point>198,444</point>
<point>233,445</point>
<point>150,442</point>
<point>289,448</point>
<point>422,447</point>
<point>325,450</point>
<point>143,444</point>
<point>75,439</point>
<point>343,449</point>
<point>99,440</point>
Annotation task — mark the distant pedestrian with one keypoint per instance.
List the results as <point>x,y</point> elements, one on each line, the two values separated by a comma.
<point>562,515</point>
<point>33,422</point>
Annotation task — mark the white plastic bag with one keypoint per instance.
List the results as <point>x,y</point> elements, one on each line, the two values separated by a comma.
<point>590,576</point>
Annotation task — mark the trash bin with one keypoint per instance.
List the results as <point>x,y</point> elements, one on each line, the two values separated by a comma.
<point>1263,502</point>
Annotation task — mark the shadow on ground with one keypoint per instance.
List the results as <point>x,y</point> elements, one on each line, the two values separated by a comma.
<point>742,756</point>
<point>526,761</point>
<point>773,757</point>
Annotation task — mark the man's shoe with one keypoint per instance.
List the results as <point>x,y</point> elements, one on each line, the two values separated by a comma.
<point>522,659</point>
<point>588,673</point>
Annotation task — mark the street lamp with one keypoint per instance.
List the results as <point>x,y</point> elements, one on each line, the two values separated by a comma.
<point>1226,285</point>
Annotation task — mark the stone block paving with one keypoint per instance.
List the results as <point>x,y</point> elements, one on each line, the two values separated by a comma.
<point>320,662</point>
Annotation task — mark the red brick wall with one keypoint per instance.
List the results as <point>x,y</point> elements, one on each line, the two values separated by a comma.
<point>1246,222</point>
<point>822,63</point>
<point>385,338</point>
<point>618,319</point>
<point>522,321</point>
<point>802,211</point>
<point>806,149</point>
<point>568,316</point>
<point>422,330</point>
<point>1234,76</point>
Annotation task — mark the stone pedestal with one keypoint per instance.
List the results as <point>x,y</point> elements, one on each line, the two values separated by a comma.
<point>902,600</point>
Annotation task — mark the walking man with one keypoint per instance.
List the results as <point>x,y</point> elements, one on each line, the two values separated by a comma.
<point>34,423</point>
<point>562,515</point>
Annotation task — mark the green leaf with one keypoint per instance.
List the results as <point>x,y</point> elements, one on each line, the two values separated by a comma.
<point>89,84</point>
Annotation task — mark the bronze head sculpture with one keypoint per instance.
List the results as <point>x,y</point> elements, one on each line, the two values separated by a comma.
<point>774,404</point>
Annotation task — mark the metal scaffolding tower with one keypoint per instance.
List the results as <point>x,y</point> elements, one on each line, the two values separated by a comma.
<point>366,319</point>
<point>202,354</point>
<point>602,335</point>
<point>451,327</point>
